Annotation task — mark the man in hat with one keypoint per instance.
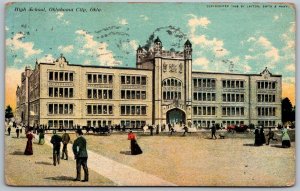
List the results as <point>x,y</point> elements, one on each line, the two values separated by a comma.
<point>81,156</point>
<point>55,140</point>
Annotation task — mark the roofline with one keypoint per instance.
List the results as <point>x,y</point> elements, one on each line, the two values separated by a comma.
<point>106,67</point>
<point>272,75</point>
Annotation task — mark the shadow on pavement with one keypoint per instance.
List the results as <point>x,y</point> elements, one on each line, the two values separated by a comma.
<point>278,146</point>
<point>44,163</point>
<point>249,145</point>
<point>125,152</point>
<point>64,178</point>
<point>17,153</point>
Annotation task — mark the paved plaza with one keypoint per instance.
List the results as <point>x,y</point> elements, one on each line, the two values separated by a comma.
<point>192,160</point>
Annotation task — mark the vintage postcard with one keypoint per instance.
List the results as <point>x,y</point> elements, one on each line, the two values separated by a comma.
<point>150,94</point>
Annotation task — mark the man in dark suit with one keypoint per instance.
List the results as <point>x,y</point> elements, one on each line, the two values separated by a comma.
<point>213,131</point>
<point>81,156</point>
<point>65,139</point>
<point>55,140</point>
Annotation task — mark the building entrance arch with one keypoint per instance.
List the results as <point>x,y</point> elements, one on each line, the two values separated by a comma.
<point>176,116</point>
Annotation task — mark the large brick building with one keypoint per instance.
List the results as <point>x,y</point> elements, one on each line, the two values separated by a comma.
<point>161,89</point>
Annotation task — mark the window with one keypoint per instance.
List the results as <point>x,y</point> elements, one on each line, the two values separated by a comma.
<point>110,109</point>
<point>122,94</point>
<point>110,79</point>
<point>89,93</point>
<point>50,75</point>
<point>143,108</point>
<point>122,79</point>
<point>143,95</point>
<point>127,79</point>
<point>94,109</point>
<point>61,76</point>
<point>89,78</point>
<point>122,110</point>
<point>105,79</point>
<point>50,108</point>
<point>143,80</point>
<point>110,95</point>
<point>56,76</point>
<point>138,80</point>
<point>71,76</point>
<point>61,92</point>
<point>61,109</point>
<point>99,78</point>
<point>50,92</point>
<point>66,76</point>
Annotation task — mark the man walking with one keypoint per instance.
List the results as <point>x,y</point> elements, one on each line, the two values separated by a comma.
<point>81,156</point>
<point>55,140</point>
<point>271,135</point>
<point>8,130</point>
<point>65,139</point>
<point>213,131</point>
<point>17,132</point>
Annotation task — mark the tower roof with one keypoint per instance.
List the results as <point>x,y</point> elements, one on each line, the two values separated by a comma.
<point>187,42</point>
<point>140,48</point>
<point>157,40</point>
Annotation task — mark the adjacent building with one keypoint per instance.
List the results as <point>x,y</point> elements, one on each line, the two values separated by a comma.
<point>161,89</point>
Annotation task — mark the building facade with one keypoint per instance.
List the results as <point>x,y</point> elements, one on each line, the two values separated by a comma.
<point>161,89</point>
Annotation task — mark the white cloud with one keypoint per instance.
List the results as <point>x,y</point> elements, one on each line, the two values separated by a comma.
<point>15,43</point>
<point>197,21</point>
<point>144,17</point>
<point>247,68</point>
<point>17,61</point>
<point>87,62</point>
<point>48,58</point>
<point>290,67</point>
<point>123,22</point>
<point>6,28</point>
<point>98,49</point>
<point>59,16</point>
<point>276,17</point>
<point>201,61</point>
<point>134,44</point>
<point>66,49</point>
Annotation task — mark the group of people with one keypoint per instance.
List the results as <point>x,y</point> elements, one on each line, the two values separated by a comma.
<point>79,149</point>
<point>260,137</point>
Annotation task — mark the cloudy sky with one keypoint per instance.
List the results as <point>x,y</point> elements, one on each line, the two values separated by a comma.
<point>247,38</point>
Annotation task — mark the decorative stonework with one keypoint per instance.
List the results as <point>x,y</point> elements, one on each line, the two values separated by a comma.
<point>172,68</point>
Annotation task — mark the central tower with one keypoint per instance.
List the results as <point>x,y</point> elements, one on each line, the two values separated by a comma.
<point>172,81</point>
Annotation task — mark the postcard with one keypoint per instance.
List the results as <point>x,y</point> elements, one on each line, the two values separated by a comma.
<point>150,94</point>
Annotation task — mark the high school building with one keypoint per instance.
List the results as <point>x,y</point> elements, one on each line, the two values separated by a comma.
<point>161,89</point>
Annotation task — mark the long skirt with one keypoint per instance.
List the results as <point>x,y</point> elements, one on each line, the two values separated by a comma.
<point>28,150</point>
<point>135,148</point>
<point>257,141</point>
<point>41,141</point>
<point>286,143</point>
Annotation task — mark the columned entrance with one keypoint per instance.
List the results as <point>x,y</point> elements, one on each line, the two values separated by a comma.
<point>175,116</point>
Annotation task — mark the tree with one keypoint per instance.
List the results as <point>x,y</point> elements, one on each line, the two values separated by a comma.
<point>8,112</point>
<point>287,113</point>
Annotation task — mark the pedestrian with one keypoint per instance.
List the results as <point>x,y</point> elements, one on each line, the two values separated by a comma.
<point>186,130</point>
<point>270,136</point>
<point>21,129</point>
<point>262,135</point>
<point>257,140</point>
<point>81,156</point>
<point>65,139</point>
<point>42,137</point>
<point>17,132</point>
<point>55,140</point>
<point>285,138</point>
<point>134,147</point>
<point>8,130</point>
<point>169,127</point>
<point>157,129</point>
<point>28,149</point>
<point>213,131</point>
<point>151,129</point>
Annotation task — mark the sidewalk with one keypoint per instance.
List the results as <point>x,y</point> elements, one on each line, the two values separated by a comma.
<point>120,174</point>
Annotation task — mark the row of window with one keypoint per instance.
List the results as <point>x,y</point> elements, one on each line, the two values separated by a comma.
<point>133,110</point>
<point>203,110</point>
<point>265,98</point>
<point>133,123</point>
<point>204,83</point>
<point>172,82</point>
<point>61,76</point>
<point>233,97</point>
<point>266,85</point>
<point>100,78</point>
<point>227,123</point>
<point>61,92</point>
<point>266,111</point>
<point>233,111</point>
<point>133,80</point>
<point>60,124</point>
<point>203,123</point>
<point>201,96</point>
<point>266,123</point>
<point>100,109</point>
<point>64,109</point>
<point>99,93</point>
<point>233,84</point>
<point>133,94</point>
<point>98,123</point>
<point>171,95</point>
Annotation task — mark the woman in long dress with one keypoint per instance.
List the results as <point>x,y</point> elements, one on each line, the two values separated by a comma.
<point>135,148</point>
<point>41,137</point>
<point>262,135</point>
<point>286,141</point>
<point>257,141</point>
<point>28,150</point>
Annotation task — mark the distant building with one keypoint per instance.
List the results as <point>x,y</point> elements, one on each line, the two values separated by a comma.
<point>161,89</point>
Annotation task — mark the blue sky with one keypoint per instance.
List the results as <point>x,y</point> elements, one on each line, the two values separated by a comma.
<point>249,38</point>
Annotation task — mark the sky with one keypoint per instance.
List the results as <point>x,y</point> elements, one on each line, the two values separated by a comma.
<point>238,38</point>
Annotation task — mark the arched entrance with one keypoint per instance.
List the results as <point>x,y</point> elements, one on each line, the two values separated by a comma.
<point>175,116</point>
